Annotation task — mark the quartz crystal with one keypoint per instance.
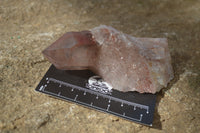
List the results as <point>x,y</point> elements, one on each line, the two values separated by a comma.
<point>127,63</point>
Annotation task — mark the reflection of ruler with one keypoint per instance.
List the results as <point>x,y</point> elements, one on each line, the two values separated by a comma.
<point>119,103</point>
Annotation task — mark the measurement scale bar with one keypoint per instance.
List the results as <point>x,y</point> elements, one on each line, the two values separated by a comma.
<point>72,86</point>
<point>101,109</point>
<point>99,94</point>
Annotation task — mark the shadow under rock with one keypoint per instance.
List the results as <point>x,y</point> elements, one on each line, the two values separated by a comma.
<point>178,63</point>
<point>157,124</point>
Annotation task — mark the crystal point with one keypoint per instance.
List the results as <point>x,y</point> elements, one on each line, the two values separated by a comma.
<point>126,62</point>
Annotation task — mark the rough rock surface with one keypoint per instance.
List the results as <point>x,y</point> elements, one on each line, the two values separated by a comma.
<point>132,64</point>
<point>27,27</point>
<point>126,62</point>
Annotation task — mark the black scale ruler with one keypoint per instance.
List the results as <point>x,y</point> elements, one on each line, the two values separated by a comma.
<point>73,86</point>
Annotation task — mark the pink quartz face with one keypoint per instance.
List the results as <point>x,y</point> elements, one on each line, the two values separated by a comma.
<point>127,63</point>
<point>72,51</point>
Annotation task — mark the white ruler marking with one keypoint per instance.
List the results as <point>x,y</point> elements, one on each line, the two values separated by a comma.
<point>75,97</point>
<point>41,87</point>
<point>108,107</point>
<point>84,93</point>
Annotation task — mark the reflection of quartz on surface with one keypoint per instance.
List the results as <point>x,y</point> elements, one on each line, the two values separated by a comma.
<point>125,62</point>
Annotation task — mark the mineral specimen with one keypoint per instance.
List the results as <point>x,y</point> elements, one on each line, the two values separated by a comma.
<point>126,62</point>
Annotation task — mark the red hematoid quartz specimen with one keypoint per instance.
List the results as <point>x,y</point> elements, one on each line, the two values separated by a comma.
<point>125,62</point>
